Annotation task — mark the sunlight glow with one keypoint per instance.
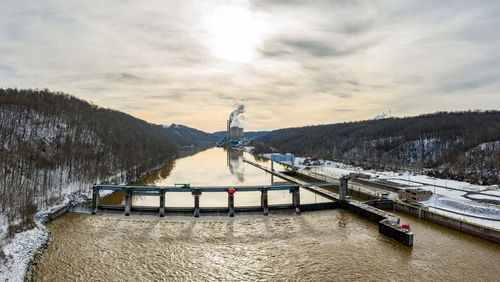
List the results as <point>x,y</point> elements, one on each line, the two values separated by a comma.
<point>232,33</point>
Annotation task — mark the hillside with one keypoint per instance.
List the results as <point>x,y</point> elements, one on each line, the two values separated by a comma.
<point>55,145</point>
<point>458,145</point>
<point>186,136</point>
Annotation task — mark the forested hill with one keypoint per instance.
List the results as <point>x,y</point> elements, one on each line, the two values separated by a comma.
<point>54,144</point>
<point>459,145</point>
<point>185,136</point>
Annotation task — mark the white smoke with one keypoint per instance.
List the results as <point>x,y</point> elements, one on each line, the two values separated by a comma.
<point>239,110</point>
<point>236,118</point>
<point>239,121</point>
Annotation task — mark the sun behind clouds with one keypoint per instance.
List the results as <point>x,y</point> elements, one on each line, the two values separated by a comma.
<point>232,33</point>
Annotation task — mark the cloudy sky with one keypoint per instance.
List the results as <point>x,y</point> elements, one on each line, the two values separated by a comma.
<point>291,62</point>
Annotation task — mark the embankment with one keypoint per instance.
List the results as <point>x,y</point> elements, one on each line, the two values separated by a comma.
<point>457,224</point>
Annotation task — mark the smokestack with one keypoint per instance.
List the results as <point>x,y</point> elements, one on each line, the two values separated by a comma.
<point>235,123</point>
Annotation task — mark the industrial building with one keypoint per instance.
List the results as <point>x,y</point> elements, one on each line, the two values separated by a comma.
<point>234,129</point>
<point>234,133</point>
<point>414,194</point>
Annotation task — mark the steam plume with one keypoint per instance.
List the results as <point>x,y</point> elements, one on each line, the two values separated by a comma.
<point>239,110</point>
<point>236,118</point>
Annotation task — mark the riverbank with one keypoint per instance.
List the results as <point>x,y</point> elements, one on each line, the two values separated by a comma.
<point>21,252</point>
<point>448,195</point>
<point>448,206</point>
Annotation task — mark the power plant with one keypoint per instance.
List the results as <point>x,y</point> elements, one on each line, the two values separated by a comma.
<point>234,129</point>
<point>234,132</point>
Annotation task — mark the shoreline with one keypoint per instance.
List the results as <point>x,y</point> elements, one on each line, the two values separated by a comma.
<point>26,248</point>
<point>477,229</point>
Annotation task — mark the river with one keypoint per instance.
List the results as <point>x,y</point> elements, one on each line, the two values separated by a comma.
<point>319,246</point>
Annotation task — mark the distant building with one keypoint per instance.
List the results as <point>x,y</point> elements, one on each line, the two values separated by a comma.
<point>359,175</point>
<point>414,194</point>
<point>235,133</point>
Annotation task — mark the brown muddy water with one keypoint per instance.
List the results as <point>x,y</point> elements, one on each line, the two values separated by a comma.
<point>332,245</point>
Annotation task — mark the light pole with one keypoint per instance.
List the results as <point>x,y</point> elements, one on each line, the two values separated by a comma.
<point>434,185</point>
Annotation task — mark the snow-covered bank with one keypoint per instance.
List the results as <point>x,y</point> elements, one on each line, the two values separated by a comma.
<point>21,250</point>
<point>457,199</point>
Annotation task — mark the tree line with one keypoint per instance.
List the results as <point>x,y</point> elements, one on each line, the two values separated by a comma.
<point>53,145</point>
<point>458,145</point>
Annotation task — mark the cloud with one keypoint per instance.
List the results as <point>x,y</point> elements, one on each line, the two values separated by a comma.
<point>311,58</point>
<point>128,76</point>
<point>314,48</point>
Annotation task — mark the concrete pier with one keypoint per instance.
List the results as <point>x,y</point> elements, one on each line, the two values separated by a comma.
<point>162,202</point>
<point>230,202</point>
<point>389,224</point>
<point>95,199</point>
<point>128,201</point>
<point>196,194</point>
<point>296,199</point>
<point>264,201</point>
<point>343,188</point>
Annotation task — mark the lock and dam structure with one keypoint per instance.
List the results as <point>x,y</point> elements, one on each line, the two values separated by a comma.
<point>389,224</point>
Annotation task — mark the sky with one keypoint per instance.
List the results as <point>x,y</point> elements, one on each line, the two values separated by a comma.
<point>290,62</point>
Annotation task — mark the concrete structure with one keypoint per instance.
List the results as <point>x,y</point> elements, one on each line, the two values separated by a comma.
<point>196,192</point>
<point>57,212</point>
<point>414,194</point>
<point>359,175</point>
<point>235,133</point>
<point>420,212</point>
<point>457,224</point>
<point>343,188</point>
<point>263,202</point>
<point>389,224</point>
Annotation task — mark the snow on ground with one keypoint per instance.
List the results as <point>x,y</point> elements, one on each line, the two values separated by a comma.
<point>445,194</point>
<point>20,250</point>
<point>461,207</point>
<point>492,192</point>
<point>483,197</point>
<point>479,221</point>
<point>3,225</point>
<point>441,182</point>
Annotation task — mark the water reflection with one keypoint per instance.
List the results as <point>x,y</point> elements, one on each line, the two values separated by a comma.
<point>212,167</point>
<point>157,175</point>
<point>235,164</point>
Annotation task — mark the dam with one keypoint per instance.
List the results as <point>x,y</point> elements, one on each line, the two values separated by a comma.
<point>321,245</point>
